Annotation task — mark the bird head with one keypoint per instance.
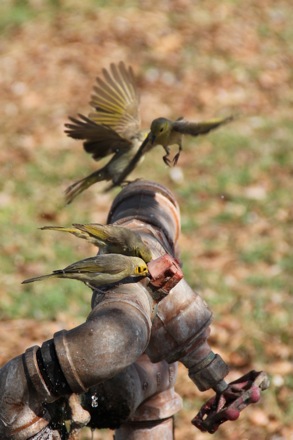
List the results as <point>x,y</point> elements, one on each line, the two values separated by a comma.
<point>141,269</point>
<point>160,130</point>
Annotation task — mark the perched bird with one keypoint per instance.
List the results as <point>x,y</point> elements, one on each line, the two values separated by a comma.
<point>110,239</point>
<point>113,128</point>
<point>100,270</point>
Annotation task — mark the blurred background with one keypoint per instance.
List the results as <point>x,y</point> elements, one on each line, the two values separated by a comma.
<point>198,59</point>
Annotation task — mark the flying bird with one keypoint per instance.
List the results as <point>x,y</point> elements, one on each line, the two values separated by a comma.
<point>166,133</point>
<point>113,129</point>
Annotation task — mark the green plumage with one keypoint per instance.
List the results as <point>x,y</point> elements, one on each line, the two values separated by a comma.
<point>113,128</point>
<point>165,132</point>
<point>99,270</point>
<point>109,239</point>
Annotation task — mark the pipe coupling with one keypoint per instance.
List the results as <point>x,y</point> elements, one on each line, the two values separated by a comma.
<point>22,393</point>
<point>209,373</point>
<point>181,319</point>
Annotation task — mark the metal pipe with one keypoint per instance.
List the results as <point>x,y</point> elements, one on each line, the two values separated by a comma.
<point>124,323</point>
<point>118,399</point>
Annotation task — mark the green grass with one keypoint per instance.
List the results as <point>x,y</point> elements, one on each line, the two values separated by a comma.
<point>236,194</point>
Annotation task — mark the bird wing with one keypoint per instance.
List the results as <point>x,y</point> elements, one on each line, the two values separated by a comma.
<point>115,239</point>
<point>95,229</point>
<point>197,128</point>
<point>144,148</point>
<point>116,101</point>
<point>98,264</point>
<point>107,233</point>
<point>100,140</point>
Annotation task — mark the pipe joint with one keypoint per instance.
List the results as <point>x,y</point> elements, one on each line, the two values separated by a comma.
<point>209,373</point>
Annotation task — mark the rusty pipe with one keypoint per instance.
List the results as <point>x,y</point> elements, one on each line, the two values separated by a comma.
<point>21,411</point>
<point>115,334</point>
<point>119,398</point>
<point>182,318</point>
<point>122,324</point>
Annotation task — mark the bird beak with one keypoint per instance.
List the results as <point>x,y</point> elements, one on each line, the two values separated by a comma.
<point>152,138</point>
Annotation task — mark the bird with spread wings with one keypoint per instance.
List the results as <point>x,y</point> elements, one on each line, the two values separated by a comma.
<point>113,129</point>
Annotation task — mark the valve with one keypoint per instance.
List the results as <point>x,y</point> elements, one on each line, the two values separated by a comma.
<point>228,404</point>
<point>165,272</point>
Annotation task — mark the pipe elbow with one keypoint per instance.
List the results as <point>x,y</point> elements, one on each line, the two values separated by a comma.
<point>116,332</point>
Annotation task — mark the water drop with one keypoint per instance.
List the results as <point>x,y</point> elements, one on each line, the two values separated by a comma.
<point>95,402</point>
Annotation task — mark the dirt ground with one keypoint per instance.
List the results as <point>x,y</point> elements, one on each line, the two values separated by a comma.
<point>197,59</point>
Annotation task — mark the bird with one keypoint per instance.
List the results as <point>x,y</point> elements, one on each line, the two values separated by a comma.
<point>165,132</point>
<point>114,128</point>
<point>99,270</point>
<point>110,239</point>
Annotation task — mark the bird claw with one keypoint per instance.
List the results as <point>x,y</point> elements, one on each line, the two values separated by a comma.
<point>167,161</point>
<point>175,159</point>
<point>171,162</point>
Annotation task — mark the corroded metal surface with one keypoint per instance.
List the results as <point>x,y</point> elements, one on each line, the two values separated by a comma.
<point>151,430</point>
<point>228,404</point>
<point>122,360</point>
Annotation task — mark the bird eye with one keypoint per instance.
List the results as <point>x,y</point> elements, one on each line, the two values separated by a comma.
<point>141,270</point>
<point>161,130</point>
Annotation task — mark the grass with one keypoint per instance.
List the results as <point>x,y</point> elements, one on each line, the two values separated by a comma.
<point>236,193</point>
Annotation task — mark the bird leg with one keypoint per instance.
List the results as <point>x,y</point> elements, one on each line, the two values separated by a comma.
<point>176,157</point>
<point>166,157</point>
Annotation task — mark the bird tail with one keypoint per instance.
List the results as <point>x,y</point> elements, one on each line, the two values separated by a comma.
<point>72,230</point>
<point>95,230</point>
<point>40,278</point>
<point>59,228</point>
<point>81,185</point>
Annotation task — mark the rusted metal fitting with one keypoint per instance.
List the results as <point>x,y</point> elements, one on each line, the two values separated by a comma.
<point>22,414</point>
<point>181,320</point>
<point>151,203</point>
<point>159,407</point>
<point>165,272</point>
<point>103,357</point>
<point>228,404</point>
<point>47,434</point>
<point>35,375</point>
<point>116,332</point>
<point>150,430</point>
<point>209,373</point>
<point>142,391</point>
